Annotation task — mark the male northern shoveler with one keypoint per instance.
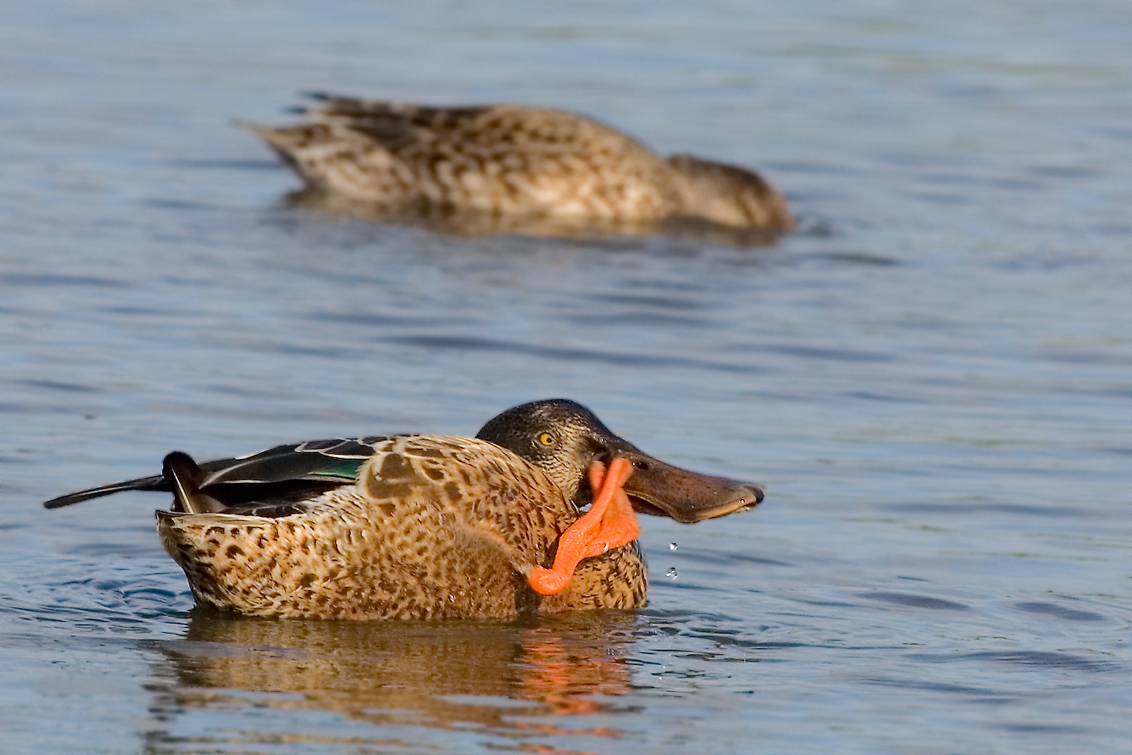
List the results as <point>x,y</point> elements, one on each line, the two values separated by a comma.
<point>512,160</point>
<point>428,526</point>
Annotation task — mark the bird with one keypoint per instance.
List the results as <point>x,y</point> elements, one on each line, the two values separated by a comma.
<point>511,160</point>
<point>428,526</point>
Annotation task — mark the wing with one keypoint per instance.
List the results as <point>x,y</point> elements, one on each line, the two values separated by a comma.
<point>344,128</point>
<point>336,460</point>
<point>289,469</point>
<point>393,124</point>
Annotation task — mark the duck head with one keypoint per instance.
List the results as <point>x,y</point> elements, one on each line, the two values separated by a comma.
<point>563,438</point>
<point>729,194</point>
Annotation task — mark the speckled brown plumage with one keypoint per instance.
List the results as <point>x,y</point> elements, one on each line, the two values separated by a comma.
<point>513,160</point>
<point>418,526</point>
<point>435,527</point>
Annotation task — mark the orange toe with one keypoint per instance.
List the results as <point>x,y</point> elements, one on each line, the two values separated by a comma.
<point>609,523</point>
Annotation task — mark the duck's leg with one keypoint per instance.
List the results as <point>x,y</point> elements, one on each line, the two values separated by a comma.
<point>609,523</point>
<point>618,524</point>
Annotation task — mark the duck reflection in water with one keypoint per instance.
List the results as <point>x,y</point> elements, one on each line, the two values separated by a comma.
<point>472,223</point>
<point>399,673</point>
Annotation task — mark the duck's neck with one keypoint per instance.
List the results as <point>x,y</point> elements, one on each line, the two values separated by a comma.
<point>728,194</point>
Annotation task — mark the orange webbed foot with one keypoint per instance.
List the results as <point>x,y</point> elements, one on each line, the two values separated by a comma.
<point>609,523</point>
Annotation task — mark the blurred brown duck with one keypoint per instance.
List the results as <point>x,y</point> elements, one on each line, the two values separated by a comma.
<point>512,160</point>
<point>427,526</point>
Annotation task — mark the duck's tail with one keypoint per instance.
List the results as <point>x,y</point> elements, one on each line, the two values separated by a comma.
<point>286,140</point>
<point>184,476</point>
<point>180,475</point>
<point>155,482</point>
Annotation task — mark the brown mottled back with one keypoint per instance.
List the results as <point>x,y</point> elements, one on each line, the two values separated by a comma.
<point>505,159</point>
<point>435,527</point>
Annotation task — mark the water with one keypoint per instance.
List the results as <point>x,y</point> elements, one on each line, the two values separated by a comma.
<point>931,376</point>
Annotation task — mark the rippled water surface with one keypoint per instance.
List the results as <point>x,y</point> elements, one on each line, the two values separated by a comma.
<point>933,375</point>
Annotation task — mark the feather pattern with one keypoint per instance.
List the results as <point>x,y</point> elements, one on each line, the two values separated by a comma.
<point>512,160</point>
<point>419,526</point>
<point>431,527</point>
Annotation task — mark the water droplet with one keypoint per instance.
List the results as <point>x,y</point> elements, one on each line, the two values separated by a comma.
<point>672,572</point>
<point>672,546</point>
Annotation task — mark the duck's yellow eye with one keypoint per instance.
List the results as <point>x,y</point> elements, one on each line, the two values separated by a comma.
<point>546,439</point>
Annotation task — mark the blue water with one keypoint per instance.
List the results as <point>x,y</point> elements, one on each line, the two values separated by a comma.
<point>932,376</point>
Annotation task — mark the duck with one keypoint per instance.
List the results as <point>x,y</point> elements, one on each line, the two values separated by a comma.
<point>428,526</point>
<point>511,160</point>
